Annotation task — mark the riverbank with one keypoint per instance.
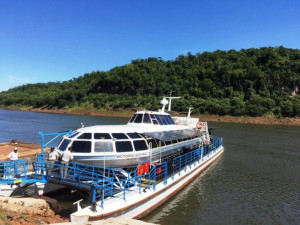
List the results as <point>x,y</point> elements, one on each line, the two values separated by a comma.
<point>17,210</point>
<point>25,150</point>
<point>32,211</point>
<point>269,119</point>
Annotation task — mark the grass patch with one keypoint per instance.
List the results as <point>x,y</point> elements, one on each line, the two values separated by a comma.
<point>3,217</point>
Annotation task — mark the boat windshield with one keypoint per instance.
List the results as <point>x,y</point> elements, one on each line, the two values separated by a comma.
<point>73,134</point>
<point>152,118</point>
<point>63,145</point>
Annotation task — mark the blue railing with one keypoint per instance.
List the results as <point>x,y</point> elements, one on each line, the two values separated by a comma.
<point>28,170</point>
<point>20,171</point>
<point>158,173</point>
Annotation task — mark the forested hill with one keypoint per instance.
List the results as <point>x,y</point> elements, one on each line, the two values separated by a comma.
<point>251,82</point>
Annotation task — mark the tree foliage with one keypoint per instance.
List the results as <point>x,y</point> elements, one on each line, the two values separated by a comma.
<point>251,82</point>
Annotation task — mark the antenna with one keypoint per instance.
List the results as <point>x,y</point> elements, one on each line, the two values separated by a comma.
<point>170,101</point>
<point>189,112</point>
<point>164,102</point>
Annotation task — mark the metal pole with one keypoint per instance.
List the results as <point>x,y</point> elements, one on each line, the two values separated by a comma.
<point>42,159</point>
<point>103,189</point>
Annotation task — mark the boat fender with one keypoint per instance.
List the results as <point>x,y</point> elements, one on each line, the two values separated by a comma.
<point>199,125</point>
<point>207,142</point>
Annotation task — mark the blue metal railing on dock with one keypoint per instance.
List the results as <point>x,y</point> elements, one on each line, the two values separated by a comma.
<point>20,171</point>
<point>30,170</point>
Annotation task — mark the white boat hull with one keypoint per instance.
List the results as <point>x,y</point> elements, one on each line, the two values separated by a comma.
<point>140,203</point>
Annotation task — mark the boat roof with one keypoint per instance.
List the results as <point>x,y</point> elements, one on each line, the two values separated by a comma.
<point>129,128</point>
<point>152,112</point>
<point>173,135</point>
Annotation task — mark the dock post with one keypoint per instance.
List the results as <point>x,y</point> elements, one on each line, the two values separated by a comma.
<point>42,154</point>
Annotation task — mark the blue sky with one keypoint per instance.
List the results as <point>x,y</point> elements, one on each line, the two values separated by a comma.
<point>56,40</point>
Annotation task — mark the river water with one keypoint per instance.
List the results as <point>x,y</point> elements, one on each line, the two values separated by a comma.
<point>255,181</point>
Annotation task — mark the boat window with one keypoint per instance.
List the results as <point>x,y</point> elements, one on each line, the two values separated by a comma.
<point>146,118</point>
<point>154,121</point>
<point>73,134</point>
<point>133,135</point>
<point>102,136</point>
<point>119,136</point>
<point>81,146</point>
<point>85,136</point>
<point>124,146</point>
<point>158,119</point>
<point>140,145</point>
<point>103,146</point>
<point>64,144</point>
<point>166,120</point>
<point>170,119</point>
<point>163,120</point>
<point>139,118</point>
<point>133,118</point>
<point>153,143</point>
<point>168,142</point>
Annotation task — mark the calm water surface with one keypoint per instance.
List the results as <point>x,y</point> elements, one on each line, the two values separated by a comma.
<point>25,126</point>
<point>256,180</point>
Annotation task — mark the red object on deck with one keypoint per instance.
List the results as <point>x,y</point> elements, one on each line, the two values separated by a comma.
<point>146,167</point>
<point>140,170</point>
<point>158,171</point>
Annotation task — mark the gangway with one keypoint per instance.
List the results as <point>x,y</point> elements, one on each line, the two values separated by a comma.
<point>81,176</point>
<point>29,170</point>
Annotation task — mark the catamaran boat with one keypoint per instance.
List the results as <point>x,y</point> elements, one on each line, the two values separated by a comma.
<point>148,136</point>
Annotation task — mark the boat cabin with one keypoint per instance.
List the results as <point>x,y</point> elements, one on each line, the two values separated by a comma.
<point>88,142</point>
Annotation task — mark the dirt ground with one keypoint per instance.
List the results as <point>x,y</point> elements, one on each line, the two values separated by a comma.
<point>25,150</point>
<point>30,211</point>
<point>33,211</point>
